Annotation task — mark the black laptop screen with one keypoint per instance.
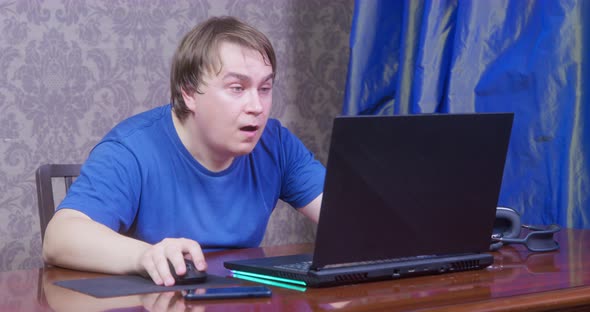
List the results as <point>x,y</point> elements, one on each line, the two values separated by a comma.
<point>400,186</point>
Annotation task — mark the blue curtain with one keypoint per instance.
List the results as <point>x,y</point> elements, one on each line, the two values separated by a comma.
<point>527,57</point>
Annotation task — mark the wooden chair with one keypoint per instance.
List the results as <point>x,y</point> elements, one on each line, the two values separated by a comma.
<point>45,192</point>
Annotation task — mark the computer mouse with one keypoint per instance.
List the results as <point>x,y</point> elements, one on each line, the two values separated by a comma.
<point>192,275</point>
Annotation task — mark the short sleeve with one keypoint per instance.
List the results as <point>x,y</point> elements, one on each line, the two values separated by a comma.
<point>303,177</point>
<point>108,187</point>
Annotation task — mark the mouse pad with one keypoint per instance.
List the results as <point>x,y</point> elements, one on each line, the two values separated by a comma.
<point>125,285</point>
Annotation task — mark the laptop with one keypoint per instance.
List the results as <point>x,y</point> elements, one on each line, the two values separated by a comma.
<point>404,196</point>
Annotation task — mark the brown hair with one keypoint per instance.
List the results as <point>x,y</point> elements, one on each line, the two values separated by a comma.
<point>198,53</point>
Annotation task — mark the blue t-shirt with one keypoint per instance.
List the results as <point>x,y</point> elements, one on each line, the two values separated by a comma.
<point>141,181</point>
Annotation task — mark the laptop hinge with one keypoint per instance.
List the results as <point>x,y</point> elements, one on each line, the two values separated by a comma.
<point>313,267</point>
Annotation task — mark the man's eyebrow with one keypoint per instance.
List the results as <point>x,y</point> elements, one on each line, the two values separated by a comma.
<point>268,77</point>
<point>247,78</point>
<point>237,76</point>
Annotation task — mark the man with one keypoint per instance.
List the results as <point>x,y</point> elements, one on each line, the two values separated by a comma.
<point>201,173</point>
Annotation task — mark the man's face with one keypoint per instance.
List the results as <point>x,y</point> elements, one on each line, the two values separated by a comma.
<point>233,110</point>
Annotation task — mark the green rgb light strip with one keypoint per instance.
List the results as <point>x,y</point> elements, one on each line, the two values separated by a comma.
<point>268,277</point>
<point>269,282</point>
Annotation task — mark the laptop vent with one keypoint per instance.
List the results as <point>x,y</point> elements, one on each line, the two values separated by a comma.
<point>357,277</point>
<point>465,265</point>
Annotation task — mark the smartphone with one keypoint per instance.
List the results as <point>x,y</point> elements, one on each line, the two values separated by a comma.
<point>228,292</point>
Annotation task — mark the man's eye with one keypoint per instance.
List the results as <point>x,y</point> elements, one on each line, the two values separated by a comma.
<point>236,88</point>
<point>265,89</point>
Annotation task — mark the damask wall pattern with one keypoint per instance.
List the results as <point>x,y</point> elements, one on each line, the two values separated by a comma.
<point>71,70</point>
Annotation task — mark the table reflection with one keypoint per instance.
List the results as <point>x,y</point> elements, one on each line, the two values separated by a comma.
<point>516,268</point>
<point>516,273</point>
<point>62,299</point>
<point>408,292</point>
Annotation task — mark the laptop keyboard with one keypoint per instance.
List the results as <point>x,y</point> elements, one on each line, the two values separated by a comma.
<point>304,266</point>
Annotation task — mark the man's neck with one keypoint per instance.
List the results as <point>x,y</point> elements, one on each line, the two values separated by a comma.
<point>191,139</point>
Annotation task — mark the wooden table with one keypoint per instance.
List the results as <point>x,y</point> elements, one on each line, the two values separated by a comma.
<point>517,281</point>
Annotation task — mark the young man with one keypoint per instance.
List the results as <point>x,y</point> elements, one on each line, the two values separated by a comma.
<point>204,172</point>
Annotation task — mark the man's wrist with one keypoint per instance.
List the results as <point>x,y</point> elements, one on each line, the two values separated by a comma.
<point>140,250</point>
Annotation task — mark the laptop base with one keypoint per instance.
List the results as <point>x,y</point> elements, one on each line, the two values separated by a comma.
<point>267,268</point>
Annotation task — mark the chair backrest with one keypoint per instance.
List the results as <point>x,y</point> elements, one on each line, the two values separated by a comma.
<point>44,177</point>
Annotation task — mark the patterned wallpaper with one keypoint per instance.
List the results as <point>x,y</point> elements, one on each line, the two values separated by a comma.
<point>70,70</point>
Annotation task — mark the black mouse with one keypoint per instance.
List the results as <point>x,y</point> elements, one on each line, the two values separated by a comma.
<point>192,275</point>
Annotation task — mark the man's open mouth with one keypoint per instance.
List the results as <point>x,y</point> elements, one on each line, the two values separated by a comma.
<point>249,128</point>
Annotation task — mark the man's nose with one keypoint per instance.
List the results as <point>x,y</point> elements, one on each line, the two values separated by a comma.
<point>255,104</point>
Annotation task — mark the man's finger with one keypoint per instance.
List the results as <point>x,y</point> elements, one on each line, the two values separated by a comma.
<point>197,256</point>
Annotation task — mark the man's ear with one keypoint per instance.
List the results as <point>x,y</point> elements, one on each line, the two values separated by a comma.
<point>189,99</point>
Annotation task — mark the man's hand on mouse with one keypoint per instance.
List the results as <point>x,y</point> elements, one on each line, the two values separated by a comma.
<point>154,261</point>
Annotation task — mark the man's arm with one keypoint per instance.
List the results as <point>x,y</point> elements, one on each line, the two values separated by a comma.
<point>73,240</point>
<point>312,210</point>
